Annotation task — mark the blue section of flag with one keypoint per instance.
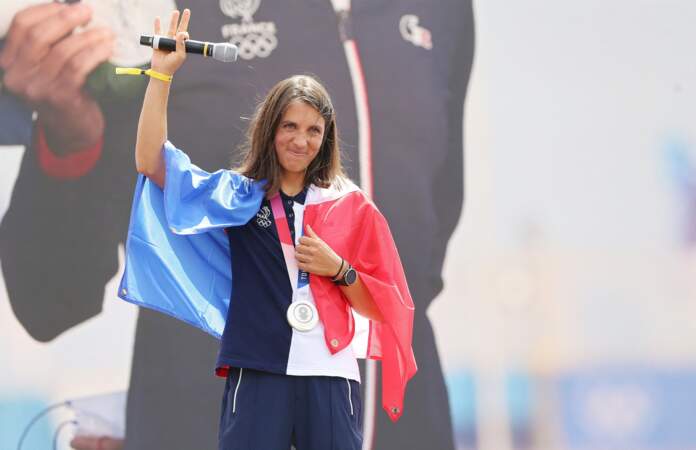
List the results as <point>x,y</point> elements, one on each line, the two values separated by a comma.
<point>177,255</point>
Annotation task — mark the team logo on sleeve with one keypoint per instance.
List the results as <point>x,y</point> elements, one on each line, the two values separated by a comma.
<point>414,33</point>
<point>254,39</point>
<point>263,217</point>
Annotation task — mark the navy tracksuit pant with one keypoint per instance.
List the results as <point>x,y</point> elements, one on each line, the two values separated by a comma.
<point>268,411</point>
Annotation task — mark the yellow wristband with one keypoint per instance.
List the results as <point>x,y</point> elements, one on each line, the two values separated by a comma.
<point>148,72</point>
<point>158,75</point>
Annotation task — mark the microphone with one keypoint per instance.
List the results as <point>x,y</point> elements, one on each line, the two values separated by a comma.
<point>224,51</point>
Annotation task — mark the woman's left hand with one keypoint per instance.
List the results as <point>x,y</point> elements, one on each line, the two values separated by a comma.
<point>315,256</point>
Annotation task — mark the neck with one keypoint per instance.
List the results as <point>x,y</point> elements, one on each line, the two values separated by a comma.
<point>292,183</point>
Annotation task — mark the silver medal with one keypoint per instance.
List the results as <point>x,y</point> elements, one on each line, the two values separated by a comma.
<point>302,315</point>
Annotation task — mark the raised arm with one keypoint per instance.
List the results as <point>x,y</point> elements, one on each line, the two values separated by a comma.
<point>152,126</point>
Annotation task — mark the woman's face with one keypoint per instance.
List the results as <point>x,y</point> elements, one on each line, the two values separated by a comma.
<point>298,137</point>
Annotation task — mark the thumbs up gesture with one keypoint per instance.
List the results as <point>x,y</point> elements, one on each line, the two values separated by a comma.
<point>315,256</point>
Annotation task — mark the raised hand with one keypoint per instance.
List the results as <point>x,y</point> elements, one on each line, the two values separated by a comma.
<point>46,63</point>
<point>169,62</point>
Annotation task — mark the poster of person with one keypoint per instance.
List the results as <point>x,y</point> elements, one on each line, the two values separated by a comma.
<point>535,163</point>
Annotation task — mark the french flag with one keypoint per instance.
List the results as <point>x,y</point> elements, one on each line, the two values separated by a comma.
<point>177,260</point>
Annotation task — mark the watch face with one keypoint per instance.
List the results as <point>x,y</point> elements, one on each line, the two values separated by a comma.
<point>350,276</point>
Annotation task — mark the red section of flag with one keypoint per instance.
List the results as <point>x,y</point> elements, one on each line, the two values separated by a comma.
<point>354,228</point>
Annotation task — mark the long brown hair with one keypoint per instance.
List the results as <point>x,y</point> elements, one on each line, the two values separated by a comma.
<point>260,160</point>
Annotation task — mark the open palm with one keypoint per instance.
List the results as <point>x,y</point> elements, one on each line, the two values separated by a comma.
<point>169,62</point>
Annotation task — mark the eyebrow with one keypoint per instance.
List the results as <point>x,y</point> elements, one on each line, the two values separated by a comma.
<point>288,121</point>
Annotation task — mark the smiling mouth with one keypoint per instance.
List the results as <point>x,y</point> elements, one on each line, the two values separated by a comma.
<point>294,153</point>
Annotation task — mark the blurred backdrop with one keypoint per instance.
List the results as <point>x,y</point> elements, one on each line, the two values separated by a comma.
<point>565,315</point>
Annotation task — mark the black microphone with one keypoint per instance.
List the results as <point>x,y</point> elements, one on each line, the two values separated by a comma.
<point>224,51</point>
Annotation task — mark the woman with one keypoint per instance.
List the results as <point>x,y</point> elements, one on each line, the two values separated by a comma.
<point>292,377</point>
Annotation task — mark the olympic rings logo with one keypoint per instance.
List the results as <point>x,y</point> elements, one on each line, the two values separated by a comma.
<point>263,217</point>
<point>253,45</point>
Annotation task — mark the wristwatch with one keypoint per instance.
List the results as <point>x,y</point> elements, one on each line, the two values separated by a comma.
<point>349,277</point>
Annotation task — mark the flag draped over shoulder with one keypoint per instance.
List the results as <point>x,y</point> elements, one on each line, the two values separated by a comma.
<point>178,260</point>
<point>173,264</point>
<point>353,227</point>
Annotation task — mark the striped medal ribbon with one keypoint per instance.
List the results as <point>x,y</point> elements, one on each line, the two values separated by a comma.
<point>302,315</point>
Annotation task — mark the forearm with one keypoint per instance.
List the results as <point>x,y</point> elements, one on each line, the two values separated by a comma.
<point>361,300</point>
<point>152,131</point>
<point>316,257</point>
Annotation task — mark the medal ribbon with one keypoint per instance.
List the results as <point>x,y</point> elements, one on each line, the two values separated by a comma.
<point>288,247</point>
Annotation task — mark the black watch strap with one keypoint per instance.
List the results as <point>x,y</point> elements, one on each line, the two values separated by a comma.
<point>349,277</point>
<point>343,262</point>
